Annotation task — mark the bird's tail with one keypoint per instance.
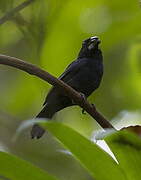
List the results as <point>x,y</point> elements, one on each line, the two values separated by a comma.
<point>37,131</point>
<point>48,111</point>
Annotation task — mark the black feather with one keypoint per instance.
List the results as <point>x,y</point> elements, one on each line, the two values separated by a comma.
<point>84,75</point>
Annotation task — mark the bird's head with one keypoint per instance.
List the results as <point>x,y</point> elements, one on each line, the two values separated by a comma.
<point>91,43</point>
<point>90,47</point>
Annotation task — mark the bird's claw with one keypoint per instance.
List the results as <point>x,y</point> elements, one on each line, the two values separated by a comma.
<point>83,96</point>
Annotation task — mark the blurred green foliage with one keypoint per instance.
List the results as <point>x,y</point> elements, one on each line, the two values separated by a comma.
<point>14,168</point>
<point>49,34</point>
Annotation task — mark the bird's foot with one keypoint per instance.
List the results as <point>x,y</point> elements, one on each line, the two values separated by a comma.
<point>83,96</point>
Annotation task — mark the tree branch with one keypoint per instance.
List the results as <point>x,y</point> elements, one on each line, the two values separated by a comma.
<point>15,10</point>
<point>69,91</point>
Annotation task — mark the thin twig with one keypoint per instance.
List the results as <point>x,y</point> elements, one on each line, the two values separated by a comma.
<point>69,91</point>
<point>9,15</point>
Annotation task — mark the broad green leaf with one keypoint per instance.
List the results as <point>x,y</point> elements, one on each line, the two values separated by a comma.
<point>127,149</point>
<point>12,167</point>
<point>99,164</point>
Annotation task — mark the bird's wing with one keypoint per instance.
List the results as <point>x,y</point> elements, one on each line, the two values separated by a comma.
<point>72,70</point>
<point>68,74</point>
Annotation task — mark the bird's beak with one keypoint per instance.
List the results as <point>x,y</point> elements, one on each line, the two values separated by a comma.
<point>95,40</point>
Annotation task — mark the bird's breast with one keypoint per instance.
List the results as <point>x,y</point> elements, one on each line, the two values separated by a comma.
<point>90,78</point>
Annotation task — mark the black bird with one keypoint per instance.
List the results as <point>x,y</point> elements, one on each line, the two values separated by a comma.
<point>84,75</point>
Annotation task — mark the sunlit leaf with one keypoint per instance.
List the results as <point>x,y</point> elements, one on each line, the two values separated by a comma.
<point>93,158</point>
<point>127,149</point>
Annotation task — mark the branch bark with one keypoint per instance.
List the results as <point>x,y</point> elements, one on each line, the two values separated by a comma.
<point>15,10</point>
<point>69,91</point>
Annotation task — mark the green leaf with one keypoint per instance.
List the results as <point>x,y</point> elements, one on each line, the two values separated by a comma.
<point>127,149</point>
<point>11,167</point>
<point>93,158</point>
